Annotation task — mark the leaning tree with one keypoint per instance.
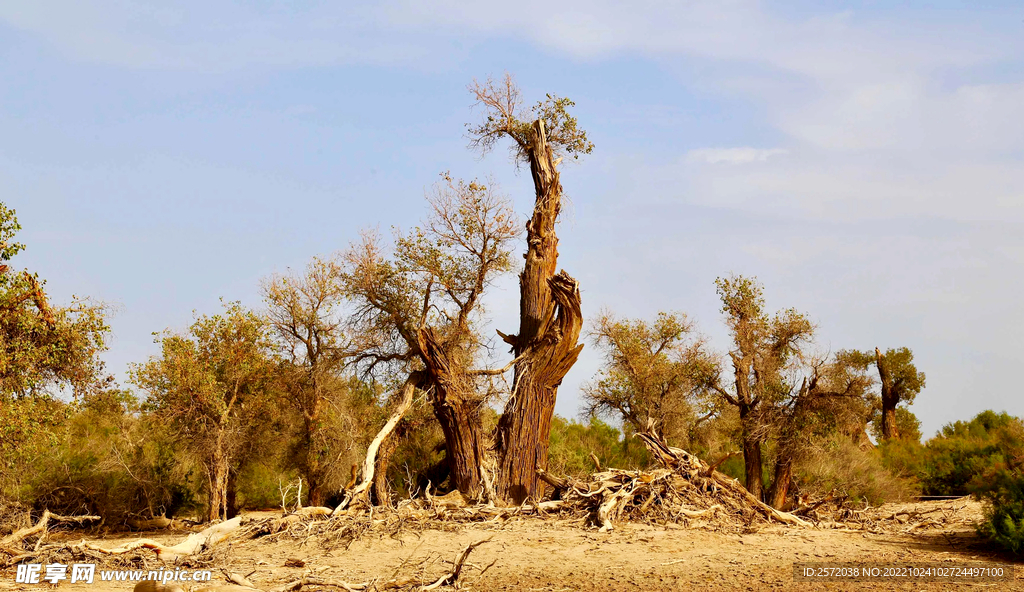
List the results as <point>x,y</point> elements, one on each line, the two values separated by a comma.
<point>546,345</point>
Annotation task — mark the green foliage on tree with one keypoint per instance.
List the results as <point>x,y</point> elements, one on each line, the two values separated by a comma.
<point>506,117</point>
<point>213,385</point>
<point>44,349</point>
<point>653,375</point>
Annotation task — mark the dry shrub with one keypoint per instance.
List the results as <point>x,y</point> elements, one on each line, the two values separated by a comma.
<point>836,464</point>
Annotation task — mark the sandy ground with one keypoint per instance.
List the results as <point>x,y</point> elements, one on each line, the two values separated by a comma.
<point>535,555</point>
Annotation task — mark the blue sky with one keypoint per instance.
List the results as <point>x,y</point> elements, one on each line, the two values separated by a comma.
<point>864,162</point>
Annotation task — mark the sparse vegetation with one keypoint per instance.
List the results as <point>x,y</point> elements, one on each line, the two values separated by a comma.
<point>284,406</point>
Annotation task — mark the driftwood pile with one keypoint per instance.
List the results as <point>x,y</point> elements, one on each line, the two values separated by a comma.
<point>837,513</point>
<point>685,488</point>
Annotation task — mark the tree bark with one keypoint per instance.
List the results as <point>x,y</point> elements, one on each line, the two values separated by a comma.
<point>457,409</point>
<point>546,345</point>
<point>752,464</point>
<point>218,481</point>
<point>460,422</point>
<point>889,398</point>
<point>780,485</point>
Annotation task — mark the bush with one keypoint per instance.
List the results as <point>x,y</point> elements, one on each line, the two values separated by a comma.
<point>965,454</point>
<point>571,444</point>
<point>903,458</point>
<point>110,460</point>
<point>1004,517</point>
<point>838,464</point>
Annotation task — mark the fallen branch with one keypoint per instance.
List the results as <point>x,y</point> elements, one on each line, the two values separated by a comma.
<point>452,577</point>
<point>784,517</point>
<point>449,579</point>
<point>193,544</point>
<point>8,543</point>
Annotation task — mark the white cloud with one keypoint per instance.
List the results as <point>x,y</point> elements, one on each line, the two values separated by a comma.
<point>732,155</point>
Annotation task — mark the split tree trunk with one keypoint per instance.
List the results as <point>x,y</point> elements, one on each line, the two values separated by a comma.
<point>546,345</point>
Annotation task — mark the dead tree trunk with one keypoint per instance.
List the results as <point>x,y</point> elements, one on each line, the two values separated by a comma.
<point>546,345</point>
<point>890,398</point>
<point>381,491</point>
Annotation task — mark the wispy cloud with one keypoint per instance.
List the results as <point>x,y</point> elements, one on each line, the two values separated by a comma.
<point>732,155</point>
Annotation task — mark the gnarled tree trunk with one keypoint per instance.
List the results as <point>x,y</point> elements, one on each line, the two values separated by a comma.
<point>752,464</point>
<point>457,408</point>
<point>546,345</point>
<point>889,398</point>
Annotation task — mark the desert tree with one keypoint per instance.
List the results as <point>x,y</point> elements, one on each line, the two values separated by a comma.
<point>827,394</point>
<point>44,349</point>
<point>908,426</point>
<point>212,385</point>
<point>899,382</point>
<point>652,375</point>
<point>546,345</point>
<point>763,350</point>
<point>417,307</point>
<point>305,312</point>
